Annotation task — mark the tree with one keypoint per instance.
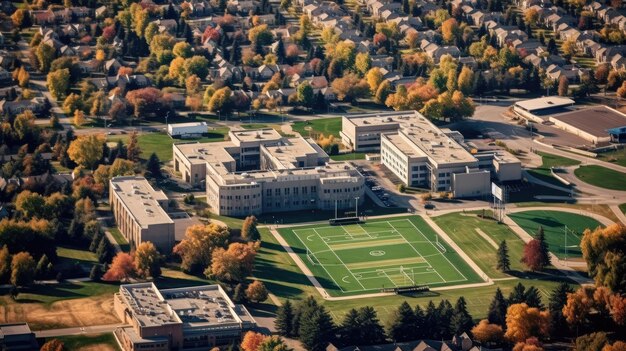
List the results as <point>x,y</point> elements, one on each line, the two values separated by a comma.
<point>556,302</point>
<point>30,204</point>
<point>22,269</point>
<point>523,322</point>
<point>96,273</point>
<point>374,77</point>
<point>220,100</point>
<point>153,166</point>
<point>104,251</point>
<point>450,30</point>
<point>273,343</point>
<point>362,63</point>
<point>532,257</point>
<point>569,48</point>
<point>197,247</point>
<point>86,150</point>
<point>621,91</point>
<point>53,345</point>
<point>466,80</point>
<point>256,292</point>
<point>563,86</point>
<point>518,295</point>
<point>384,89</point>
<point>41,271</point>
<point>45,55</point>
<point>251,341</point>
<point>591,342</point>
<point>533,298</point>
<point>504,263</point>
<point>21,18</point>
<point>305,94</point>
<point>602,249</point>
<point>5,264</point>
<point>147,260</point>
<point>350,87</point>
<point>403,324</point>
<point>249,230</point>
<point>79,117</point>
<point>58,82</point>
<point>531,344</point>
<point>316,329</point>
<point>71,103</point>
<point>531,16</point>
<point>232,264</point>
<point>24,125</point>
<point>122,268</point>
<point>284,319</point>
<point>132,149</point>
<point>372,332</point>
<point>461,319</point>
<point>497,309</point>
<point>487,333</point>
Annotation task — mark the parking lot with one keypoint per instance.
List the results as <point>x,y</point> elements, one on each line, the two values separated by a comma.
<point>374,184</point>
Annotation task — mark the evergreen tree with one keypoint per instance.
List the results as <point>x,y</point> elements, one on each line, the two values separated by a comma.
<point>318,330</point>
<point>235,52</point>
<point>239,294</point>
<point>504,263</point>
<point>431,320</point>
<point>420,322</point>
<point>280,50</point>
<point>497,309</point>
<point>104,251</point>
<point>372,332</point>
<point>350,329</point>
<point>518,295</point>
<point>533,298</point>
<point>41,271</point>
<point>284,319</point>
<point>153,166</point>
<point>403,324</point>
<point>96,273</point>
<point>556,301</point>
<point>543,246</point>
<point>93,246</point>
<point>461,319</point>
<point>75,230</point>
<point>445,312</point>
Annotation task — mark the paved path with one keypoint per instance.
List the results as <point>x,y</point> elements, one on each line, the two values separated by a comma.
<point>605,221</point>
<point>486,237</point>
<point>113,242</point>
<point>96,329</point>
<point>618,212</point>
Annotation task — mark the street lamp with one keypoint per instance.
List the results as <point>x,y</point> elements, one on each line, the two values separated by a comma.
<point>356,203</point>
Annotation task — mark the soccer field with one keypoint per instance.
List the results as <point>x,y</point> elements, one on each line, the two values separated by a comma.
<point>560,240</point>
<point>368,257</point>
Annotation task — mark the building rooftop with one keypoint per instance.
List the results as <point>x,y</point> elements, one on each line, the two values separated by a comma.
<point>188,124</point>
<point>205,306</point>
<point>545,102</point>
<point>199,153</point>
<point>246,136</point>
<point>14,329</point>
<point>390,118</point>
<point>141,200</point>
<point>288,152</point>
<point>595,120</point>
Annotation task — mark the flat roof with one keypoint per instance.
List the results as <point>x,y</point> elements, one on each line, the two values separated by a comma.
<point>287,152</point>
<point>14,329</point>
<point>255,135</point>
<point>595,120</point>
<point>200,153</point>
<point>141,200</point>
<point>205,306</point>
<point>187,124</point>
<point>544,102</point>
<point>383,118</point>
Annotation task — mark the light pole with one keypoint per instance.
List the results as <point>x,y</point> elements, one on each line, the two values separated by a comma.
<point>167,114</point>
<point>356,209</point>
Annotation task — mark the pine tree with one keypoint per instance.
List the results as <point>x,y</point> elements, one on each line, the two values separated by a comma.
<point>350,328</point>
<point>518,295</point>
<point>445,312</point>
<point>504,263</point>
<point>75,230</point>
<point>556,301</point>
<point>239,295</point>
<point>420,322</point>
<point>104,251</point>
<point>543,246</point>
<point>153,166</point>
<point>431,320</point>
<point>284,319</point>
<point>249,229</point>
<point>280,50</point>
<point>403,324</point>
<point>317,331</point>
<point>96,273</point>
<point>372,332</point>
<point>461,319</point>
<point>133,150</point>
<point>533,298</point>
<point>93,246</point>
<point>41,272</point>
<point>497,309</point>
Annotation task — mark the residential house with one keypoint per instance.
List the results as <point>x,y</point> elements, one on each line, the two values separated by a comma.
<point>38,105</point>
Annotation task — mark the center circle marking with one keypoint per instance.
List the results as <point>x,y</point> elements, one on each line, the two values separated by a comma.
<point>377,253</point>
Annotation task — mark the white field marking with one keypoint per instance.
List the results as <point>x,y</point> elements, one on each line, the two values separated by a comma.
<point>413,247</point>
<point>321,264</point>
<point>308,238</point>
<point>366,232</point>
<point>388,278</point>
<point>344,265</point>
<point>444,256</point>
<point>382,269</point>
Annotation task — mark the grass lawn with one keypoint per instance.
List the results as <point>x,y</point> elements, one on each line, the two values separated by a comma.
<point>103,342</point>
<point>121,240</point>
<point>623,208</point>
<point>76,254</point>
<point>602,177</point>
<point>553,223</point>
<point>349,156</point>
<point>58,168</point>
<point>48,294</point>
<point>617,156</point>
<point>254,126</point>
<point>382,253</point>
<point>161,143</point>
<point>549,160</point>
<point>326,126</point>
<point>461,227</point>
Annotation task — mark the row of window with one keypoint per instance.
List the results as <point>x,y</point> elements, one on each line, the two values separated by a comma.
<point>340,190</point>
<point>287,191</point>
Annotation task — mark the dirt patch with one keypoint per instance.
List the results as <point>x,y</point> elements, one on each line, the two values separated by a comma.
<point>61,314</point>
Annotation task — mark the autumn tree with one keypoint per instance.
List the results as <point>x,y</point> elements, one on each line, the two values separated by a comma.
<point>532,257</point>
<point>21,18</point>
<point>602,249</point>
<point>198,245</point>
<point>233,264</point>
<point>249,229</point>
<point>5,264</point>
<point>147,260</point>
<point>132,149</point>
<point>86,150</point>
<point>256,292</point>
<point>220,100</point>
<point>362,63</point>
<point>523,322</point>
<point>374,77</point>
<point>563,86</point>
<point>487,333</point>
<point>350,87</point>
<point>530,344</point>
<point>58,82</point>
<point>450,30</point>
<point>251,341</point>
<point>122,268</point>
<point>465,80</point>
<point>53,345</point>
<point>591,342</point>
<point>504,263</point>
<point>304,94</point>
<point>531,16</point>
<point>22,269</point>
<point>45,55</point>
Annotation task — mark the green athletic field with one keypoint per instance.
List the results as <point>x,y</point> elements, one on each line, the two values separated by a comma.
<point>554,226</point>
<point>382,253</point>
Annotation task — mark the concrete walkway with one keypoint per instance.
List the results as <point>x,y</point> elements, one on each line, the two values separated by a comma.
<point>113,242</point>
<point>618,212</point>
<point>605,221</point>
<point>94,329</point>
